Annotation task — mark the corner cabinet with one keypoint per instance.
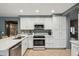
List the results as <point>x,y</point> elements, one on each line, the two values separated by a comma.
<point>26,23</point>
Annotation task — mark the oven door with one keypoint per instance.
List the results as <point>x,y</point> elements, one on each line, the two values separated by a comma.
<point>38,42</point>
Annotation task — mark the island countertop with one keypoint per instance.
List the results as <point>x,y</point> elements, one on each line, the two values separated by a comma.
<point>6,44</point>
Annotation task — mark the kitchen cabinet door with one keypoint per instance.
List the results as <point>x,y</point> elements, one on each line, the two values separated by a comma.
<point>48,45</point>
<point>49,39</point>
<point>23,23</point>
<point>30,42</point>
<point>24,45</point>
<point>59,28</point>
<point>29,22</point>
<point>39,20</point>
<point>26,23</point>
<point>59,44</point>
<point>48,23</point>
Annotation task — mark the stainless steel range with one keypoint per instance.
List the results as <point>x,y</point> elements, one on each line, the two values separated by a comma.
<point>38,38</point>
<point>38,42</point>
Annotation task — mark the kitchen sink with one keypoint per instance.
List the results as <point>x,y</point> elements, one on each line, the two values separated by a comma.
<point>20,37</point>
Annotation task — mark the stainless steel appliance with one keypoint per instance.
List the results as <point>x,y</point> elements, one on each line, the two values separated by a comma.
<point>39,27</point>
<point>38,38</point>
<point>38,42</point>
<point>15,50</point>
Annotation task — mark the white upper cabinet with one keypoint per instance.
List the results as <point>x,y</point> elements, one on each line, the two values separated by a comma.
<point>44,20</point>
<point>48,23</point>
<point>29,22</point>
<point>38,20</point>
<point>26,23</point>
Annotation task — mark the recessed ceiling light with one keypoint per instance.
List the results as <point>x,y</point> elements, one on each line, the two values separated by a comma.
<point>21,10</point>
<point>37,11</point>
<point>52,11</point>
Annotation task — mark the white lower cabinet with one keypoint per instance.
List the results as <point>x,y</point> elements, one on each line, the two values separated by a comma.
<point>30,42</point>
<point>48,45</point>
<point>57,43</point>
<point>74,50</point>
<point>49,42</point>
<point>24,45</point>
<point>49,39</point>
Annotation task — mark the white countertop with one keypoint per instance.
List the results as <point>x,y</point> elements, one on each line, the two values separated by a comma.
<point>73,41</point>
<point>8,43</point>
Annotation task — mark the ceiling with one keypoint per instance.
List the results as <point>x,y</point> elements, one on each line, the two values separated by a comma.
<point>12,9</point>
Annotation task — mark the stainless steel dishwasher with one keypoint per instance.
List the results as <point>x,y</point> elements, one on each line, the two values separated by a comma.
<point>15,50</point>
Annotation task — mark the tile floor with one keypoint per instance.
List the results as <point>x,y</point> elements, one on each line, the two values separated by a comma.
<point>48,52</point>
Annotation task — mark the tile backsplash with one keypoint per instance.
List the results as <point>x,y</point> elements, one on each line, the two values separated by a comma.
<point>27,31</point>
<point>30,32</point>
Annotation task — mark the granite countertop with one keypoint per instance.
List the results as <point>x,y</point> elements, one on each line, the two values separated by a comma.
<point>6,44</point>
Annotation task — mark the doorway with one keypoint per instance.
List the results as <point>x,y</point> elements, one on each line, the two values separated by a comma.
<point>11,28</point>
<point>74,29</point>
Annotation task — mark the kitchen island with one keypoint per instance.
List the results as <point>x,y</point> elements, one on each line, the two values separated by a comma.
<point>6,45</point>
